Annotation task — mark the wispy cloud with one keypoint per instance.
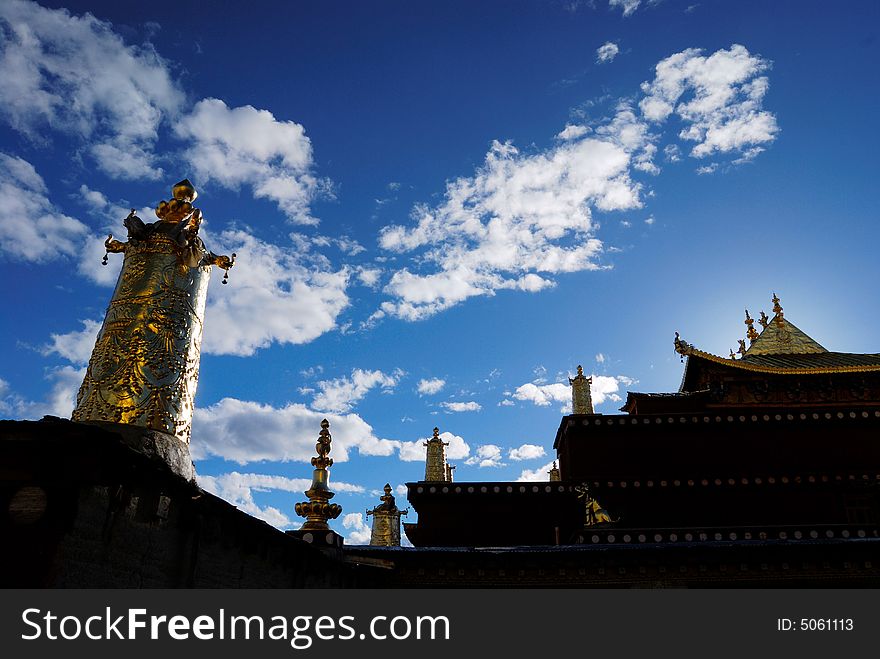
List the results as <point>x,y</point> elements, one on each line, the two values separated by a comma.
<point>430,386</point>
<point>75,75</point>
<point>342,394</point>
<point>607,52</point>
<point>718,97</point>
<point>526,452</point>
<point>469,406</point>
<point>246,146</point>
<point>487,455</point>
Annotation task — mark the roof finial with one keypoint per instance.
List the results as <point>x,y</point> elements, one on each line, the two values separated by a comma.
<point>764,320</point>
<point>732,355</point>
<point>554,473</point>
<point>386,521</point>
<point>742,347</point>
<point>751,333</point>
<point>436,468</point>
<point>581,400</point>
<point>318,509</point>
<point>777,309</point>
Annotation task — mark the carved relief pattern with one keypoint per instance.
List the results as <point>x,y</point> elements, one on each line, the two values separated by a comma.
<point>145,365</point>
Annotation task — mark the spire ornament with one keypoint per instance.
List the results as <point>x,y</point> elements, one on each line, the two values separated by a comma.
<point>751,332</point>
<point>581,398</point>
<point>386,521</point>
<point>318,509</point>
<point>777,309</point>
<point>554,473</point>
<point>436,468</point>
<point>764,320</point>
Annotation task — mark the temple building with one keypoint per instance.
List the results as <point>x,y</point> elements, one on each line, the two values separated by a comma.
<point>762,469</point>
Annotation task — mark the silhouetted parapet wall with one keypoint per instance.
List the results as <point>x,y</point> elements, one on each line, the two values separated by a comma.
<point>81,508</point>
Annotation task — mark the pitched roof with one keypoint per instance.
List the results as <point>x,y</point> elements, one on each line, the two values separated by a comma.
<point>781,337</point>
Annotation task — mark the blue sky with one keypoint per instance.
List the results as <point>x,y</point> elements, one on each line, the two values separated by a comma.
<point>440,210</point>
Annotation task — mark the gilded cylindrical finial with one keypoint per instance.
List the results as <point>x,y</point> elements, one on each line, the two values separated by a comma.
<point>145,365</point>
<point>554,472</point>
<point>318,509</point>
<point>435,458</point>
<point>386,521</point>
<point>581,399</point>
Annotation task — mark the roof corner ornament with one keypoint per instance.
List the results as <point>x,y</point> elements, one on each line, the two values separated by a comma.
<point>732,354</point>
<point>751,333</point>
<point>682,347</point>
<point>764,320</point>
<point>742,347</point>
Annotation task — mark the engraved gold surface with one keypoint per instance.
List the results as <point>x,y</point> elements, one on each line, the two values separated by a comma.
<point>145,365</point>
<point>581,398</point>
<point>386,521</point>
<point>435,459</point>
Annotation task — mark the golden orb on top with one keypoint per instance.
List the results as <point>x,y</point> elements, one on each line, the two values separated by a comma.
<point>184,191</point>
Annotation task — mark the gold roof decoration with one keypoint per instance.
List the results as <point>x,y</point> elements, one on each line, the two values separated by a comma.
<point>318,509</point>
<point>782,348</point>
<point>781,337</point>
<point>751,332</point>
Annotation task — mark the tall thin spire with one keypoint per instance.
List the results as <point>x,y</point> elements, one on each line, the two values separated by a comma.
<point>581,400</point>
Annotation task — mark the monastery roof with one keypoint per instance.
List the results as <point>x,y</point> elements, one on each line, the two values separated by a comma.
<point>783,348</point>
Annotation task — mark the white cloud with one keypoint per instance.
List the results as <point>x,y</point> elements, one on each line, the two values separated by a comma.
<point>60,400</point>
<point>628,6</point>
<point>247,146</point>
<point>487,455</point>
<point>430,386</point>
<point>607,52</point>
<point>536,475</point>
<point>415,451</point>
<point>526,452</point>
<point>519,218</point>
<point>717,97</point>
<point>506,403</point>
<point>469,406</point>
<point>672,153</point>
<point>76,346</point>
<point>272,296</point>
<point>650,221</point>
<point>707,169</point>
<point>359,531</point>
<point>604,388</point>
<point>600,358</point>
<point>401,490</point>
<point>341,394</point>
<point>246,431</point>
<point>572,132</point>
<point>76,75</point>
<point>31,228</point>
<point>369,277</point>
